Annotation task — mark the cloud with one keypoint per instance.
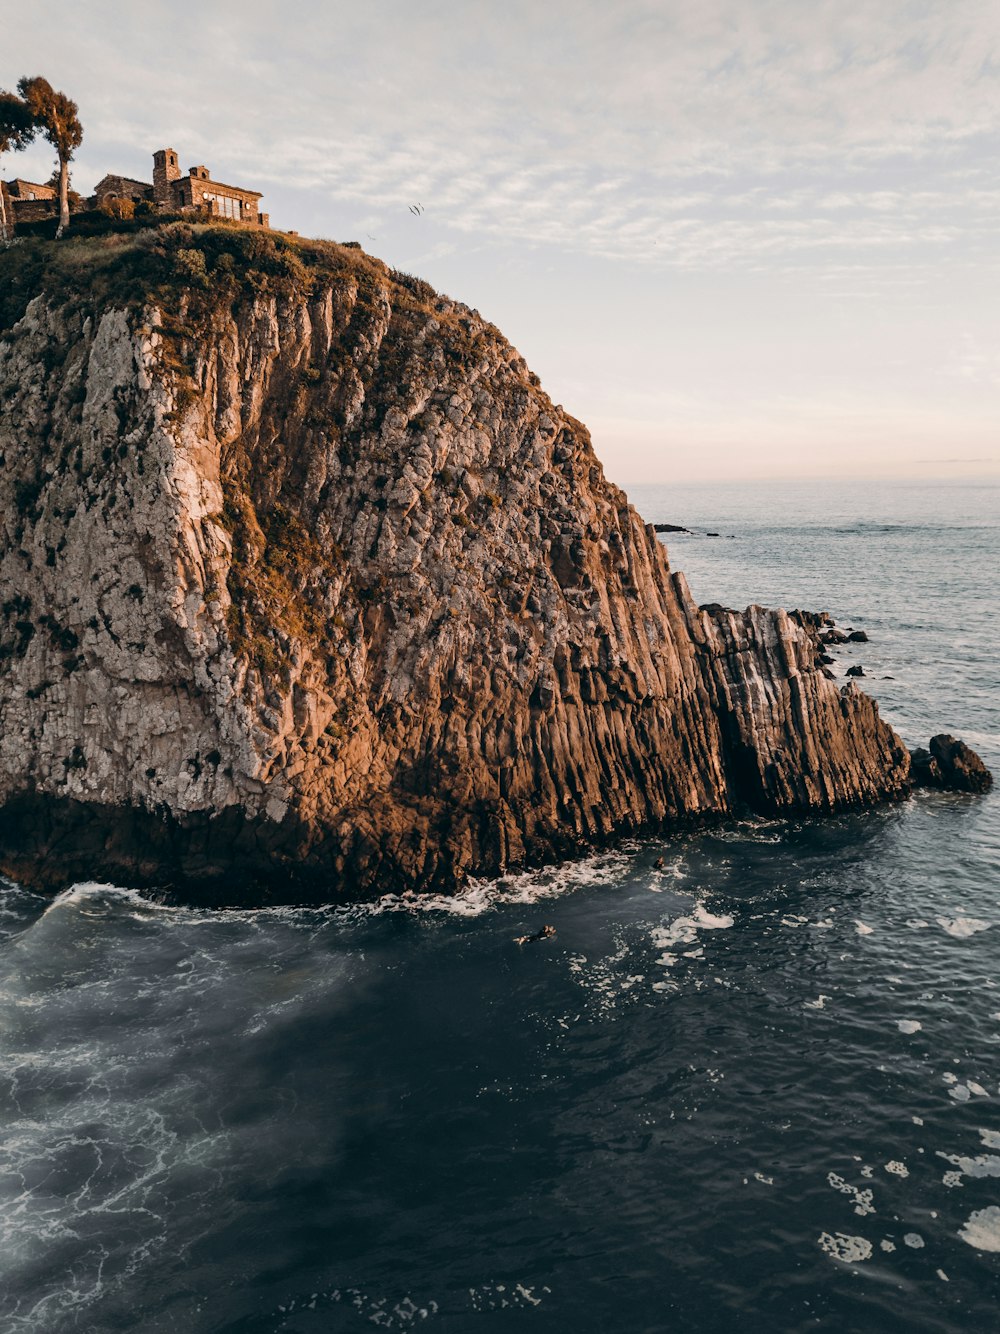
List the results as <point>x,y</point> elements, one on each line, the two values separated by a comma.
<point>652,132</point>
<point>726,196</point>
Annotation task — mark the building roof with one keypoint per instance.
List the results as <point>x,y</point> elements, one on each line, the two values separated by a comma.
<point>18,182</point>
<point>236,189</point>
<point>126,180</point>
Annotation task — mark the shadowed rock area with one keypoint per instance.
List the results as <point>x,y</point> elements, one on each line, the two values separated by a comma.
<point>309,592</point>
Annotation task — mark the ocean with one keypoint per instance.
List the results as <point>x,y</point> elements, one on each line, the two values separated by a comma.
<point>756,1088</point>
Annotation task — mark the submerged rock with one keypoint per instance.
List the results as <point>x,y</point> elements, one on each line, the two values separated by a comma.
<point>309,591</point>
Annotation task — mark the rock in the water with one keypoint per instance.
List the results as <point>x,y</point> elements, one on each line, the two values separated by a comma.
<point>669,528</point>
<point>949,764</point>
<point>308,590</point>
<point>834,636</point>
<point>856,670</point>
<point>857,637</point>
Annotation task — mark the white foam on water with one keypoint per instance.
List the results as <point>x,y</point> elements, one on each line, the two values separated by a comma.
<point>863,929</point>
<point>504,1296</point>
<point>942,1276</point>
<point>982,1230</point>
<point>604,980</point>
<point>917,1120</point>
<point>916,923</point>
<point>962,927</point>
<point>896,1168</point>
<point>887,1245</point>
<point>846,1248</point>
<point>959,1092</point>
<point>684,931</point>
<point>952,1180</point>
<point>909,1025</point>
<point>764,1180</point>
<point>862,1199</point>
<point>818,1004</point>
<point>984,1165</point>
<point>991,1138</point>
<point>380,1311</point>
<point>914,1240</point>
<point>484,896</point>
<point>977,1089</point>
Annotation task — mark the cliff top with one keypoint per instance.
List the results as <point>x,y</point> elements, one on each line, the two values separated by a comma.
<point>141,262</point>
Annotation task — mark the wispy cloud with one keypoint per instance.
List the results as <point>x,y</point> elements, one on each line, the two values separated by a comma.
<point>662,133</point>
<point>789,209</point>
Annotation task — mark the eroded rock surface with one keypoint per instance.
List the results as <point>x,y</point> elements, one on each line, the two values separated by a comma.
<point>950,764</point>
<point>313,592</point>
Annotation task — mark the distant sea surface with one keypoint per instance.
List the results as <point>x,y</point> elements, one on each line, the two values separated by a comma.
<point>755,1090</point>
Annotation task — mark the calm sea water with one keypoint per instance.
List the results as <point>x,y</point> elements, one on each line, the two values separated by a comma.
<point>758,1089</point>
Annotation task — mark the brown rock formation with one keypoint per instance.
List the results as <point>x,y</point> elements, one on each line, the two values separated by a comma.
<point>950,764</point>
<point>309,591</point>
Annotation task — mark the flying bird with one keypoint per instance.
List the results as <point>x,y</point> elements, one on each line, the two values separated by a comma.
<point>416,209</point>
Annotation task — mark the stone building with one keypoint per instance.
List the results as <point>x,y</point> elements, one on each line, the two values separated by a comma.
<point>169,191</point>
<point>197,192</point>
<point>122,187</point>
<point>26,201</point>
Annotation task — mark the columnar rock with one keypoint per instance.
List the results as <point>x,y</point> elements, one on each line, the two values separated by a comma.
<point>309,590</point>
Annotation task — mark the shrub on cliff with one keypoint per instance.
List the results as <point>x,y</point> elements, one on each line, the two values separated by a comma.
<point>117,206</point>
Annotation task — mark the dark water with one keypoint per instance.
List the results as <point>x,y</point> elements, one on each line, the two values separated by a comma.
<point>755,1090</point>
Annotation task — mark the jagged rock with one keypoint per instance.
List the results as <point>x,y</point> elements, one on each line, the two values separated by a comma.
<point>814,621</point>
<point>308,591</point>
<point>950,764</point>
<point>834,637</point>
<point>669,528</point>
<point>856,670</point>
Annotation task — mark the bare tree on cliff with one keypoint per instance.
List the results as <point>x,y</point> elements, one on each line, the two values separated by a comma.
<point>58,119</point>
<point>17,129</point>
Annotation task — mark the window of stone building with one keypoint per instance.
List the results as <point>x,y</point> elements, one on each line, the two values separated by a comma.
<point>226,206</point>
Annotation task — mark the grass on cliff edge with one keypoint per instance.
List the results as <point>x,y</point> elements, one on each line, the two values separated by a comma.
<point>135,263</point>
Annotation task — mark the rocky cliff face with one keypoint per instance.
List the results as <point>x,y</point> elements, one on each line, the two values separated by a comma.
<point>308,590</point>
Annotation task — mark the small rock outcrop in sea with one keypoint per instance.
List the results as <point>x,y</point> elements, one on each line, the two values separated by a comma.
<point>308,591</point>
<point>950,764</point>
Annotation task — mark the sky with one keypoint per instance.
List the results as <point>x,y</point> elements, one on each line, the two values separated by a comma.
<point>737,238</point>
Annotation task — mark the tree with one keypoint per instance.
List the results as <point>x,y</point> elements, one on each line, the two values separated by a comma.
<point>58,119</point>
<point>75,199</point>
<point>17,129</point>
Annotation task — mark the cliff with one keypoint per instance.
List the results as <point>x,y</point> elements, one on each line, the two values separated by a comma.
<point>309,591</point>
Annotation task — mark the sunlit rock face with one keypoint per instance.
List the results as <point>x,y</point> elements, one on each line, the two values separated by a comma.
<point>310,592</point>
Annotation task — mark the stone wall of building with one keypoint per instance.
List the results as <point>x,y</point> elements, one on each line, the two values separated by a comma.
<point>121,187</point>
<point>197,190</point>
